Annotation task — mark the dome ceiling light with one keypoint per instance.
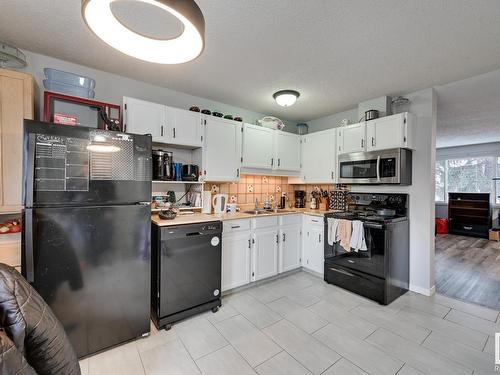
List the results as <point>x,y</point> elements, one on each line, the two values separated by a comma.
<point>286,98</point>
<point>186,47</point>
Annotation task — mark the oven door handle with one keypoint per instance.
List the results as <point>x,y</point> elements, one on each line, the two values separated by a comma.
<point>378,168</point>
<point>341,271</point>
<point>373,225</point>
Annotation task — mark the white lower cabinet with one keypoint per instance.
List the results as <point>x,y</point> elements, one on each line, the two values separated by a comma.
<point>289,249</point>
<point>235,259</point>
<point>313,244</point>
<point>264,253</point>
<point>254,249</point>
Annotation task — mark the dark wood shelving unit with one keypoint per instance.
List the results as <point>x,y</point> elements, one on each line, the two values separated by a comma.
<point>469,214</point>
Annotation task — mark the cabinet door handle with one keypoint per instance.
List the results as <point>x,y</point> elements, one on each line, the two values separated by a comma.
<point>373,142</point>
<point>174,132</point>
<point>284,237</point>
<point>319,237</point>
<point>332,175</point>
<point>249,244</point>
<point>279,162</point>
<point>272,162</point>
<point>235,226</point>
<point>277,239</point>
<point>237,173</point>
<point>161,130</point>
<point>362,143</point>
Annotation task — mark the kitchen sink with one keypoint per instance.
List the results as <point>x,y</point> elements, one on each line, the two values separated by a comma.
<point>261,212</point>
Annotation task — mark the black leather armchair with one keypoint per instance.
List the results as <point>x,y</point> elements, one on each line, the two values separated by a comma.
<point>32,340</point>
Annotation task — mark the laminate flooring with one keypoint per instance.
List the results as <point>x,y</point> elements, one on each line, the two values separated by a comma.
<point>468,269</point>
<point>300,325</point>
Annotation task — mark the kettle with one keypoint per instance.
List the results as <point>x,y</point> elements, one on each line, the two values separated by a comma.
<point>219,203</point>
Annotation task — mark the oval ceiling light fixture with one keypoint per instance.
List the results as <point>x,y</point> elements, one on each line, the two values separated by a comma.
<point>286,98</point>
<point>186,47</point>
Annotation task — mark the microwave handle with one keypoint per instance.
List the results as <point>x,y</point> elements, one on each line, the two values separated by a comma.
<point>378,168</point>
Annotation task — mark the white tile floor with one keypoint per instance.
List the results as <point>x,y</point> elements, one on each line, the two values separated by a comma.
<point>301,325</point>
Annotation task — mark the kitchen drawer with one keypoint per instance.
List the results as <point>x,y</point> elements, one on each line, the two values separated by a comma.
<point>264,222</point>
<point>232,226</point>
<point>314,220</point>
<point>366,285</point>
<point>471,229</point>
<point>290,219</point>
<point>10,254</point>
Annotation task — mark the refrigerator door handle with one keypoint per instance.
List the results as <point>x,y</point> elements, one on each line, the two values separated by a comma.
<point>28,184</point>
<point>28,245</point>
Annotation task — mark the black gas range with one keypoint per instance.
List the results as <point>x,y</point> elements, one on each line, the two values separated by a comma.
<point>381,272</point>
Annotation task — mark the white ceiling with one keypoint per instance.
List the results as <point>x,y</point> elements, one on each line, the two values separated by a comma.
<point>468,111</point>
<point>336,53</point>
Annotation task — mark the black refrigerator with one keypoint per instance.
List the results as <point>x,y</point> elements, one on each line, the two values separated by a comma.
<point>86,239</point>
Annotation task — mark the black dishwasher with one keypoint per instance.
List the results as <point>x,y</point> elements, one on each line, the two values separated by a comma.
<point>186,271</point>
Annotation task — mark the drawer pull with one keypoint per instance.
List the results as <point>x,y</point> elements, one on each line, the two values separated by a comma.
<point>235,226</point>
<point>341,271</point>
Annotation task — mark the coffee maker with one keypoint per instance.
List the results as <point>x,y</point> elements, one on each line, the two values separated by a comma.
<point>300,198</point>
<point>162,165</point>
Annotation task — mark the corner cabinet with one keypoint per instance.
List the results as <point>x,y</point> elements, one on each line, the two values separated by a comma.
<point>319,157</point>
<point>287,151</point>
<point>221,149</point>
<point>16,104</point>
<point>351,138</point>
<point>258,147</point>
<point>167,125</point>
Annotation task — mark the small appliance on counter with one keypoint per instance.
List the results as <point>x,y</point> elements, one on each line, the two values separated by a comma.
<point>206,202</point>
<point>162,165</point>
<point>190,172</point>
<point>300,198</point>
<point>381,272</point>
<point>185,271</point>
<point>219,203</point>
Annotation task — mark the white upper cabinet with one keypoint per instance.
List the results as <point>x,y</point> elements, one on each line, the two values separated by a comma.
<point>390,132</point>
<point>184,127</point>
<point>319,157</point>
<point>222,149</point>
<point>287,151</point>
<point>351,138</point>
<point>258,147</point>
<point>141,117</point>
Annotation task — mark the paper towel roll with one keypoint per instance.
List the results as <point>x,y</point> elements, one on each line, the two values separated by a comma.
<point>207,202</point>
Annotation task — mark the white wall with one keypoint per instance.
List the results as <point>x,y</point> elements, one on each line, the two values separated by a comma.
<point>112,88</point>
<point>333,121</point>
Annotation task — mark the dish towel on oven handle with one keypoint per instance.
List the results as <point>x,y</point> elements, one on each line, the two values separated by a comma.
<point>345,234</point>
<point>333,230</point>
<point>358,236</point>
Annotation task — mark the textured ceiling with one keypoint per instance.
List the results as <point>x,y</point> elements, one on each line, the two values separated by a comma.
<point>335,52</point>
<point>469,111</point>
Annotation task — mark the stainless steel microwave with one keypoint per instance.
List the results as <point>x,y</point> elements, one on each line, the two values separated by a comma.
<point>376,167</point>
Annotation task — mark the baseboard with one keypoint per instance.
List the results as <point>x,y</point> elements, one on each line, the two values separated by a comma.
<point>425,291</point>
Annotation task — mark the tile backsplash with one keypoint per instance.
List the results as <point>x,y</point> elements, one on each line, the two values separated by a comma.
<point>251,187</point>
